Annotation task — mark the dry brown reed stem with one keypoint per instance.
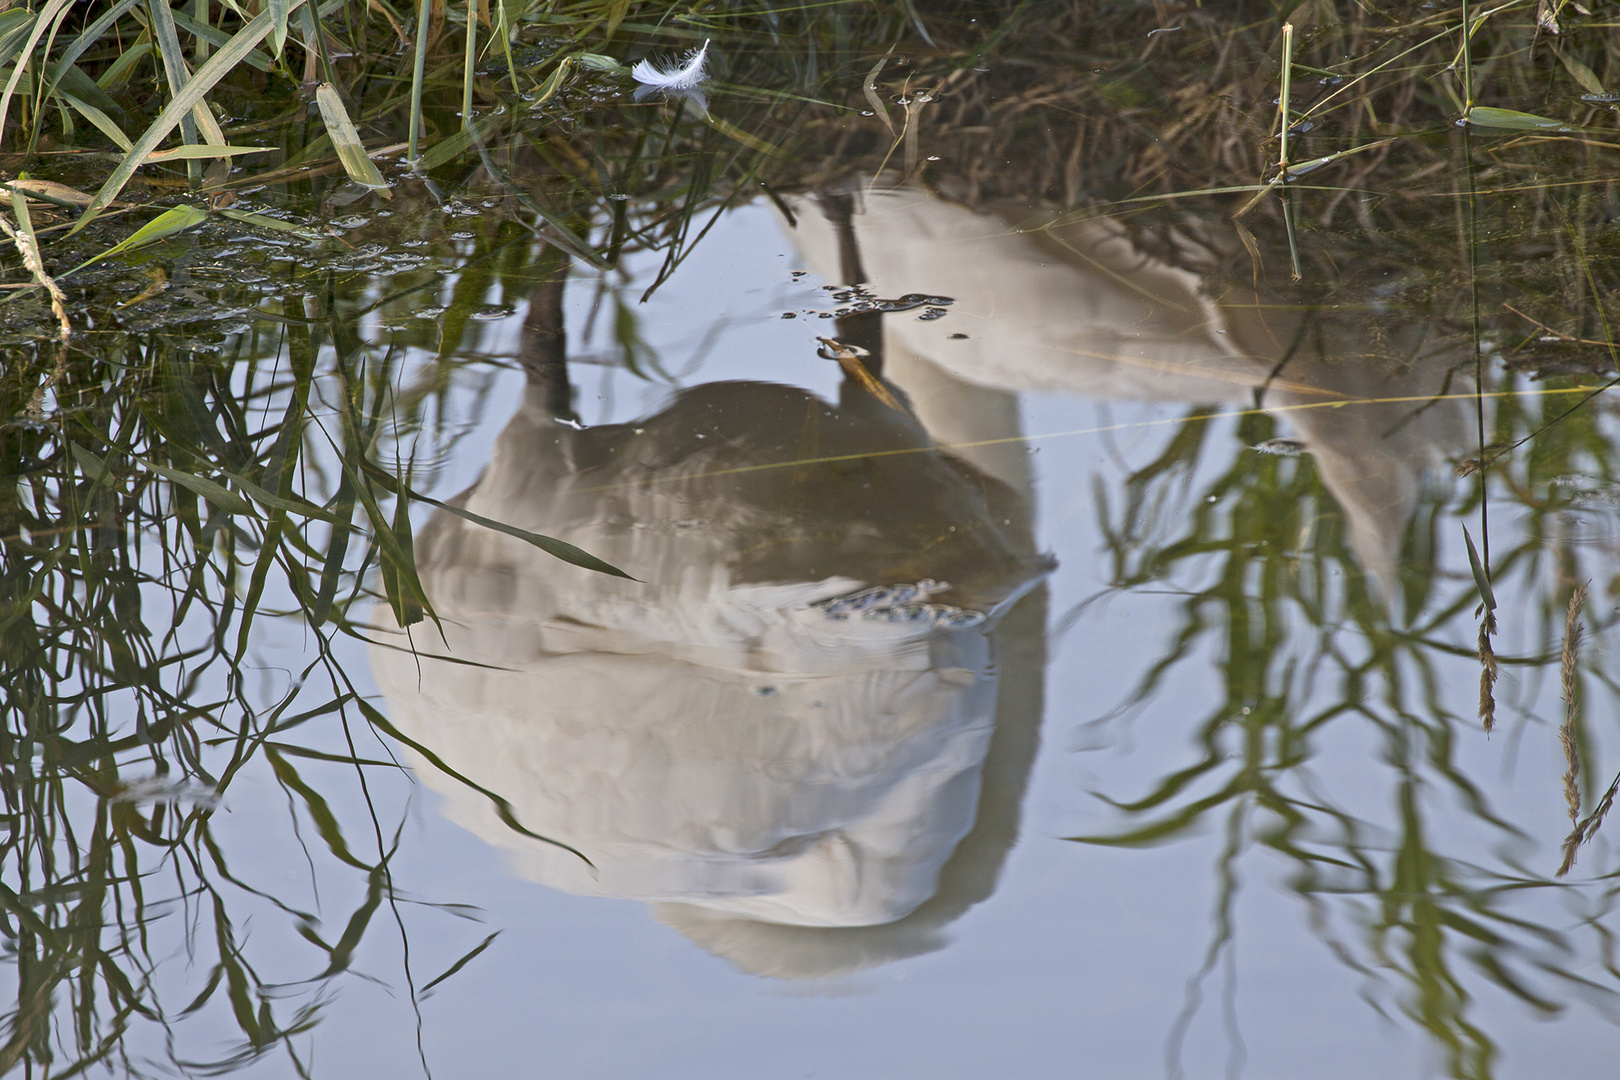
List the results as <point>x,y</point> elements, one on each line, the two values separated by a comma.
<point>1487,671</point>
<point>1572,709</point>
<point>849,358</point>
<point>27,248</point>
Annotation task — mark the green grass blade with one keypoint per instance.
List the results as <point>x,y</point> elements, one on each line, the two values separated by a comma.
<point>101,120</point>
<point>285,503</point>
<point>400,582</point>
<point>561,549</point>
<point>404,537</point>
<point>216,493</point>
<point>280,11</point>
<point>350,150</point>
<point>326,822</point>
<point>171,221</point>
<point>221,496</point>
<point>47,16</point>
<point>247,217</point>
<point>457,143</point>
<point>199,152</point>
<point>218,66</point>
<point>502,807</point>
<point>71,80</point>
<point>120,70</point>
<point>215,36</point>
<point>14,26</point>
<point>459,964</point>
<point>173,60</point>
<point>1482,580</point>
<point>337,549</point>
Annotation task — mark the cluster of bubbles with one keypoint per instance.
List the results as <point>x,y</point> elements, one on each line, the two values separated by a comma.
<point>858,299</point>
<point>899,604</point>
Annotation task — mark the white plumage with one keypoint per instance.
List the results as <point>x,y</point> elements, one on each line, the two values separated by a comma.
<point>685,77</point>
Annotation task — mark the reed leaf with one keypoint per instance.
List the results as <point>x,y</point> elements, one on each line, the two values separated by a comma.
<point>51,14</point>
<point>174,220</point>
<point>346,140</point>
<point>218,66</point>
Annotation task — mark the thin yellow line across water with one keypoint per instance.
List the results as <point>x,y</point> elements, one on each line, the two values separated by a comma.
<point>1125,426</point>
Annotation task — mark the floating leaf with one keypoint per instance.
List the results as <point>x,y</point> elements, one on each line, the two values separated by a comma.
<point>190,153</point>
<point>1303,167</point>
<point>1512,120</point>
<point>47,191</point>
<point>598,62</point>
<point>264,222</point>
<point>175,220</point>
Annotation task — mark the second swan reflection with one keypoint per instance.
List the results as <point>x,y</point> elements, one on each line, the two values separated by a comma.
<point>803,791</point>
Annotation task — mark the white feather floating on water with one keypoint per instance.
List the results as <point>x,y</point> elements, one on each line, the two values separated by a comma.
<point>653,77</point>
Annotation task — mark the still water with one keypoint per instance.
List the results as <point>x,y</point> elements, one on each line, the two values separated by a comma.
<point>1038,651</point>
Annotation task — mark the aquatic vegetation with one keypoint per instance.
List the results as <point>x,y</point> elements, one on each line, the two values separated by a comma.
<point>267,265</point>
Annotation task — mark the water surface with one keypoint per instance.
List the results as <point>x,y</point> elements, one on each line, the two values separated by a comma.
<point>1044,639</point>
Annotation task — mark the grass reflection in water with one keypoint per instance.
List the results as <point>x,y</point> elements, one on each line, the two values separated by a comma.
<point>229,440</point>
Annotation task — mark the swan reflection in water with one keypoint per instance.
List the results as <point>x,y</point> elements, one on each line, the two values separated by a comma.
<point>804,734</point>
<point>1077,308</point>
